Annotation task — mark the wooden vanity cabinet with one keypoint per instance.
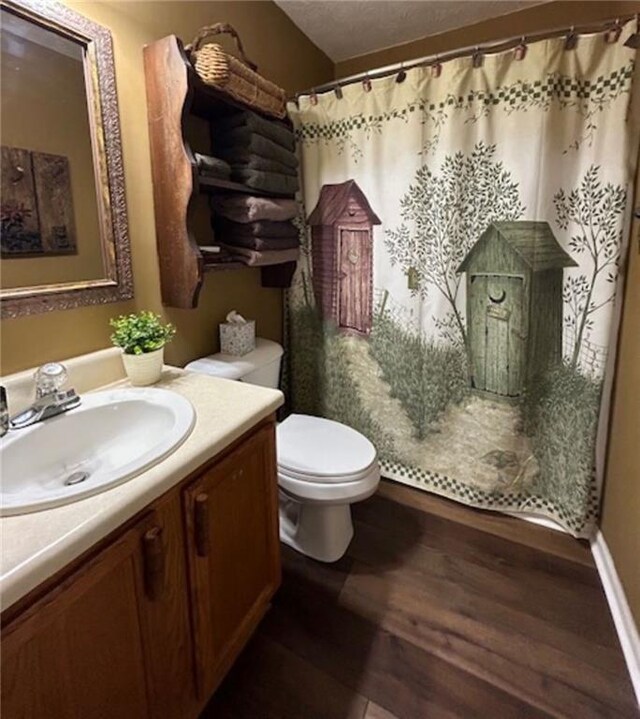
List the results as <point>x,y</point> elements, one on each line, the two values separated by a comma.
<point>170,598</point>
<point>112,639</point>
<point>231,516</point>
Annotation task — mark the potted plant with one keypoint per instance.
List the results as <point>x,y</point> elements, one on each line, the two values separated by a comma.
<point>142,338</point>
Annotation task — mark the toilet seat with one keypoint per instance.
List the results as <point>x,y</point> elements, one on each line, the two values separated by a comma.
<point>332,492</point>
<point>314,449</point>
<point>325,479</point>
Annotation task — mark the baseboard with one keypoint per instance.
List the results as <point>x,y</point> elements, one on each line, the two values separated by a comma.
<point>537,519</point>
<point>620,610</point>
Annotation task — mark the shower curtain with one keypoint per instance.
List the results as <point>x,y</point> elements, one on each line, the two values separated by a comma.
<point>462,229</point>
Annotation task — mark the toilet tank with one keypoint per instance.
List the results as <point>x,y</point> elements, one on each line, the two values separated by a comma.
<point>261,367</point>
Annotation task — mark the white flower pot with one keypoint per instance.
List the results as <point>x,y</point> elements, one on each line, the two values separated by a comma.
<point>144,369</point>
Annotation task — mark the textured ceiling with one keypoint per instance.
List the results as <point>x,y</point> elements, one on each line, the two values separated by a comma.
<point>347,28</point>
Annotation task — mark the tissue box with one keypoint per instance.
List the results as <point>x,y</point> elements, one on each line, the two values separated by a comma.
<point>237,338</point>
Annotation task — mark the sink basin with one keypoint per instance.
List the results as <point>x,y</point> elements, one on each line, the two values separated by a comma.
<point>110,438</point>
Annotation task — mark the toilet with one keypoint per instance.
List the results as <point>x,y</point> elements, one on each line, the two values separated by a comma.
<point>323,466</point>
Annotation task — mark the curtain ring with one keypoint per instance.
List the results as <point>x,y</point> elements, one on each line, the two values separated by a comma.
<point>436,68</point>
<point>338,91</point>
<point>520,50</point>
<point>402,75</point>
<point>366,83</point>
<point>612,35</point>
<point>477,58</point>
<point>571,40</point>
<point>313,97</point>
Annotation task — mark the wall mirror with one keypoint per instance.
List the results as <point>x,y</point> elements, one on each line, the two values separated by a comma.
<point>64,236</point>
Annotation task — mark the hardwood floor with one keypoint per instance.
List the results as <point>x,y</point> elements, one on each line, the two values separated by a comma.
<point>436,611</point>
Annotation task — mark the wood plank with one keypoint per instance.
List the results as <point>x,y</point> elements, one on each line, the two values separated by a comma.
<point>272,682</point>
<point>477,289</point>
<point>382,666</point>
<point>52,180</point>
<point>547,540</point>
<point>168,97</point>
<point>543,675</point>
<point>544,598</point>
<point>467,542</point>
<point>375,711</point>
<point>326,578</point>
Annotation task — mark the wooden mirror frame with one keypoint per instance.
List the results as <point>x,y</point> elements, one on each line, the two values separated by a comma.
<point>102,103</point>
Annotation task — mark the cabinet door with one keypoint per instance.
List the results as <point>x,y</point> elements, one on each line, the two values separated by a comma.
<point>106,641</point>
<point>164,612</point>
<point>234,552</point>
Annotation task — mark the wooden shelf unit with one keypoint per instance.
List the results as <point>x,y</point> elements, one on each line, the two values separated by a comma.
<point>174,92</point>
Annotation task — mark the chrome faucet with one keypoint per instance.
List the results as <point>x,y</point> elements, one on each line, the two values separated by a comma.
<point>50,399</point>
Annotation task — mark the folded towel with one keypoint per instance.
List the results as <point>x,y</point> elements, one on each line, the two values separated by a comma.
<point>247,208</point>
<point>262,228</point>
<point>213,166</point>
<point>270,182</point>
<point>271,129</point>
<point>243,160</point>
<point>249,235</point>
<point>241,140</point>
<point>261,244</point>
<point>256,258</point>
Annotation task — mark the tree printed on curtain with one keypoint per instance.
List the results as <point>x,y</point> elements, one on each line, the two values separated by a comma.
<point>444,213</point>
<point>594,209</point>
<point>462,245</point>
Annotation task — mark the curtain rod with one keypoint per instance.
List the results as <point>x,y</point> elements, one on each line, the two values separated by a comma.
<point>571,34</point>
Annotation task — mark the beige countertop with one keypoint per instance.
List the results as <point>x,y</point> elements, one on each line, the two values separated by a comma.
<point>35,546</point>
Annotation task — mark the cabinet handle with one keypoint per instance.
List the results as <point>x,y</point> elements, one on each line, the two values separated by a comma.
<point>153,555</point>
<point>201,523</point>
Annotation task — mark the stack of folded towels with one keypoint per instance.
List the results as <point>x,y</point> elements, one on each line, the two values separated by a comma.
<point>257,230</point>
<point>260,152</point>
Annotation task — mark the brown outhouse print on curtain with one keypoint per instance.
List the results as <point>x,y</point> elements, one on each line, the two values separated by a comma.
<point>342,250</point>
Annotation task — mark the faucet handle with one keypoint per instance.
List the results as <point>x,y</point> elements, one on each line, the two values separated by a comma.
<point>50,378</point>
<point>4,412</point>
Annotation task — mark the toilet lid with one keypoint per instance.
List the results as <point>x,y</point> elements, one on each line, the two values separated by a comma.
<point>319,449</point>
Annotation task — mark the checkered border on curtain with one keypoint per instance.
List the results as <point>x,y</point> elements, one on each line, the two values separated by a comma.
<point>579,525</point>
<point>518,96</point>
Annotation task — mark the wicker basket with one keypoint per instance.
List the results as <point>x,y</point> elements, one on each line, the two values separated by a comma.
<point>237,79</point>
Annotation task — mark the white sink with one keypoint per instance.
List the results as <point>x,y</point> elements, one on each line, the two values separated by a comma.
<point>109,439</point>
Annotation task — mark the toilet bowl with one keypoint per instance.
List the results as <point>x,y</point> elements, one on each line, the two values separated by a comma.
<point>323,466</point>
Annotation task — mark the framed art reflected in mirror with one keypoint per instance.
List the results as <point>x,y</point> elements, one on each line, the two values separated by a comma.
<point>64,234</point>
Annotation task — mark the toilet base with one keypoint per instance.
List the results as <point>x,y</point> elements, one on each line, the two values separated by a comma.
<point>320,531</point>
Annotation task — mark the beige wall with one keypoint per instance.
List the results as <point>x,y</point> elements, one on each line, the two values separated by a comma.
<point>621,502</point>
<point>283,54</point>
<point>46,89</point>
<point>621,509</point>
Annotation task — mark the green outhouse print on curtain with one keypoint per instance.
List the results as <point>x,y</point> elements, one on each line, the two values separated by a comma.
<point>455,299</point>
